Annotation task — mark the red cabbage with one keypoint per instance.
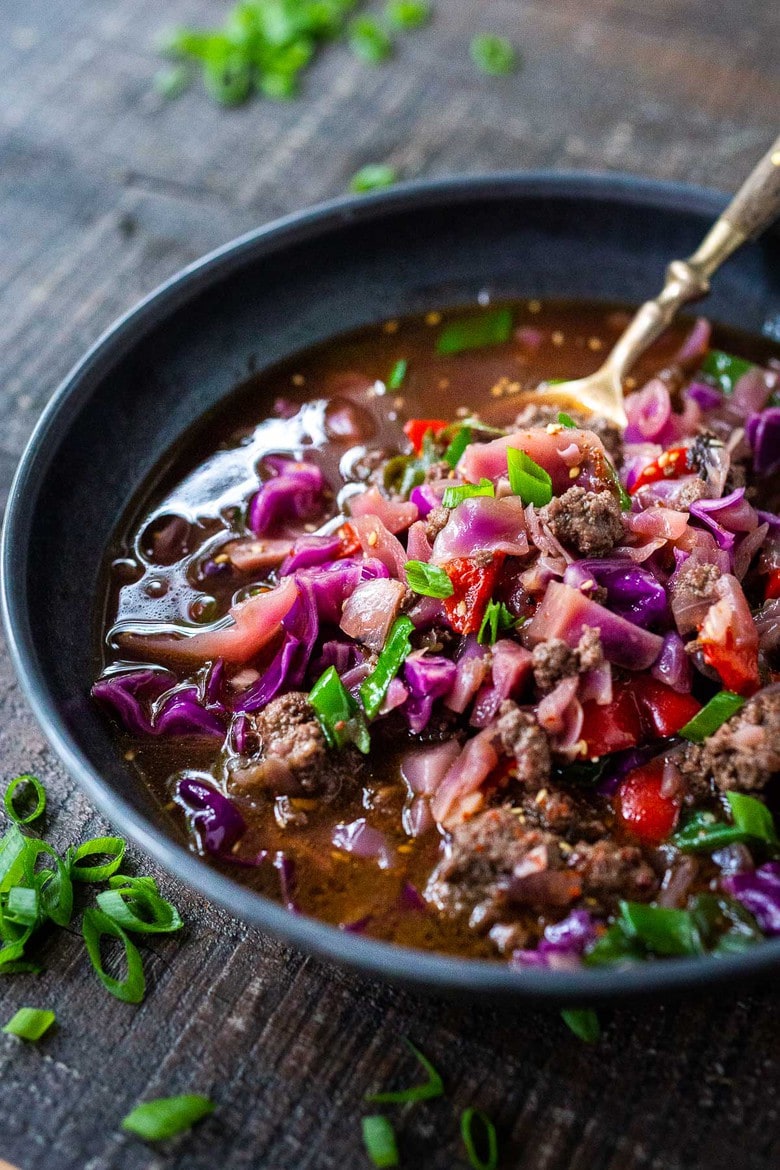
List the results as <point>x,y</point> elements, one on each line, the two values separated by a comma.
<point>310,550</point>
<point>213,691</point>
<point>673,664</point>
<point>294,493</point>
<point>619,764</point>
<point>632,591</point>
<point>240,731</point>
<point>726,516</point>
<point>763,434</point>
<point>565,612</point>
<point>129,695</point>
<point>706,396</point>
<point>482,524</point>
<point>218,824</point>
<point>648,412</point>
<point>429,677</point>
<point>563,944</point>
<point>759,892</point>
<point>364,841</point>
<point>510,668</point>
<point>181,713</point>
<point>410,898</point>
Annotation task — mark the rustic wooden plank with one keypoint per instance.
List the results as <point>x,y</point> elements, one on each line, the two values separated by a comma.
<point>104,191</point>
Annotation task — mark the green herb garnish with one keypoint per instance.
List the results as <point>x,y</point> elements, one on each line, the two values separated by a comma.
<point>725,369</point>
<point>339,716</point>
<point>397,374</point>
<point>493,54</point>
<point>487,1138</point>
<point>497,620</point>
<point>433,1087</point>
<point>459,443</point>
<point>428,580</point>
<point>369,41</point>
<point>373,177</point>
<point>394,652</point>
<point>492,327</point>
<point>527,479</point>
<point>30,1023</point>
<point>95,926</point>
<point>154,1121</point>
<point>40,799</point>
<point>406,14</point>
<point>565,420</point>
<point>466,491</point>
<point>379,1140</point>
<point>707,721</point>
<point>583,1022</point>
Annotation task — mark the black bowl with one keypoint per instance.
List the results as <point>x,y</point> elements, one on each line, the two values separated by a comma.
<point>256,301</point>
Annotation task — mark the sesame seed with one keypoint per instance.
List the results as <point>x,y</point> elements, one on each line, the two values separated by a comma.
<point>373,538</point>
<point>557,338</point>
<point>390,327</point>
<point>534,306</point>
<point>595,343</point>
<point>553,428</point>
<point>444,383</point>
<point>574,472</point>
<point>221,559</point>
<point>432,318</point>
<point>298,380</point>
<point>541,796</point>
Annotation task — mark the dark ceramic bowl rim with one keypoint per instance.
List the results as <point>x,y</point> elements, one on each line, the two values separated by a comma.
<point>428,971</point>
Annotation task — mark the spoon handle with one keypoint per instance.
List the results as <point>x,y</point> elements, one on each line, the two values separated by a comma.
<point>753,208</point>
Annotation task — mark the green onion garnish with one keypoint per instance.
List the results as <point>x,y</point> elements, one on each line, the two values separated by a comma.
<point>154,1121</point>
<point>40,799</point>
<point>133,906</point>
<point>492,327</point>
<point>30,1023</point>
<point>527,479</point>
<point>583,1022</point>
<point>112,847</point>
<point>720,708</point>
<point>13,846</point>
<point>497,620</point>
<point>394,651</point>
<point>467,491</point>
<point>433,1087</point>
<point>752,817</point>
<point>379,1140</point>
<point>97,925</point>
<point>55,885</point>
<point>488,1138</point>
<point>661,930</point>
<point>373,177</point>
<point>565,420</point>
<point>460,441</point>
<point>623,496</point>
<point>22,905</point>
<point>406,14</point>
<point>493,54</point>
<point>339,716</point>
<point>397,374</point>
<point>368,40</point>
<point>725,369</point>
<point>428,580</point>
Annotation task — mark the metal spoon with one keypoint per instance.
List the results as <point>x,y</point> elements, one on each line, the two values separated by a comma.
<point>753,208</point>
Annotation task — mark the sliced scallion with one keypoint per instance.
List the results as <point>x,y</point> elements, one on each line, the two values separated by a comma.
<point>428,580</point>
<point>566,420</point>
<point>459,443</point>
<point>369,41</point>
<point>163,1118</point>
<point>95,926</point>
<point>111,847</point>
<point>30,1023</point>
<point>407,14</point>
<point>55,885</point>
<point>497,620</point>
<point>373,177</point>
<point>493,54</point>
<point>13,846</point>
<point>527,479</point>
<point>379,1140</point>
<point>134,907</point>
<point>485,1136</point>
<point>40,799</point>
<point>22,905</point>
<point>466,491</point>
<point>492,327</point>
<point>583,1022</point>
<point>725,369</point>
<point>394,651</point>
<point>397,374</point>
<point>427,1091</point>
<point>707,721</point>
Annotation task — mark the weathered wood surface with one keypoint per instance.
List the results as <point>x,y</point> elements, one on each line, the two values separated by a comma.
<point>104,191</point>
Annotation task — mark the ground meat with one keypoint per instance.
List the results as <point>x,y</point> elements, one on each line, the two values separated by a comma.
<point>554,660</point>
<point>611,437</point>
<point>436,520</point>
<point>590,523</point>
<point>689,493</point>
<point>438,471</point>
<point>743,754</point>
<point>609,872</point>
<point>523,738</point>
<point>698,580</point>
<point>569,814</point>
<point>293,756</point>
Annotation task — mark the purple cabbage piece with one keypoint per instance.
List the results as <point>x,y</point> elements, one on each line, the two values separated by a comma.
<point>310,550</point>
<point>759,892</point>
<point>129,694</point>
<point>726,516</point>
<point>706,396</point>
<point>429,677</point>
<point>215,681</point>
<point>563,944</point>
<point>358,926</point>
<point>633,592</point>
<point>181,713</point>
<point>240,731</point>
<point>763,435</point>
<point>673,665</point>
<point>410,898</point>
<point>218,824</point>
<point>342,655</point>
<point>294,493</point>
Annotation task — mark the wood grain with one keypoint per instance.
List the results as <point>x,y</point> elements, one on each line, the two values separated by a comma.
<point>105,190</point>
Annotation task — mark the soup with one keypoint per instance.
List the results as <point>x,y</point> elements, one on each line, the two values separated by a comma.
<point>451,668</point>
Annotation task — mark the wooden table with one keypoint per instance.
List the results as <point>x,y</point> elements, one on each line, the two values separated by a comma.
<point>106,190</point>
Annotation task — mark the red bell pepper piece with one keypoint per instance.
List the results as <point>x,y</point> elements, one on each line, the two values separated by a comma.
<point>736,665</point>
<point>472,584</point>
<point>417,428</point>
<point>642,808</point>
<point>614,726</point>
<point>664,710</point>
<point>671,465</point>
<point>349,540</point>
